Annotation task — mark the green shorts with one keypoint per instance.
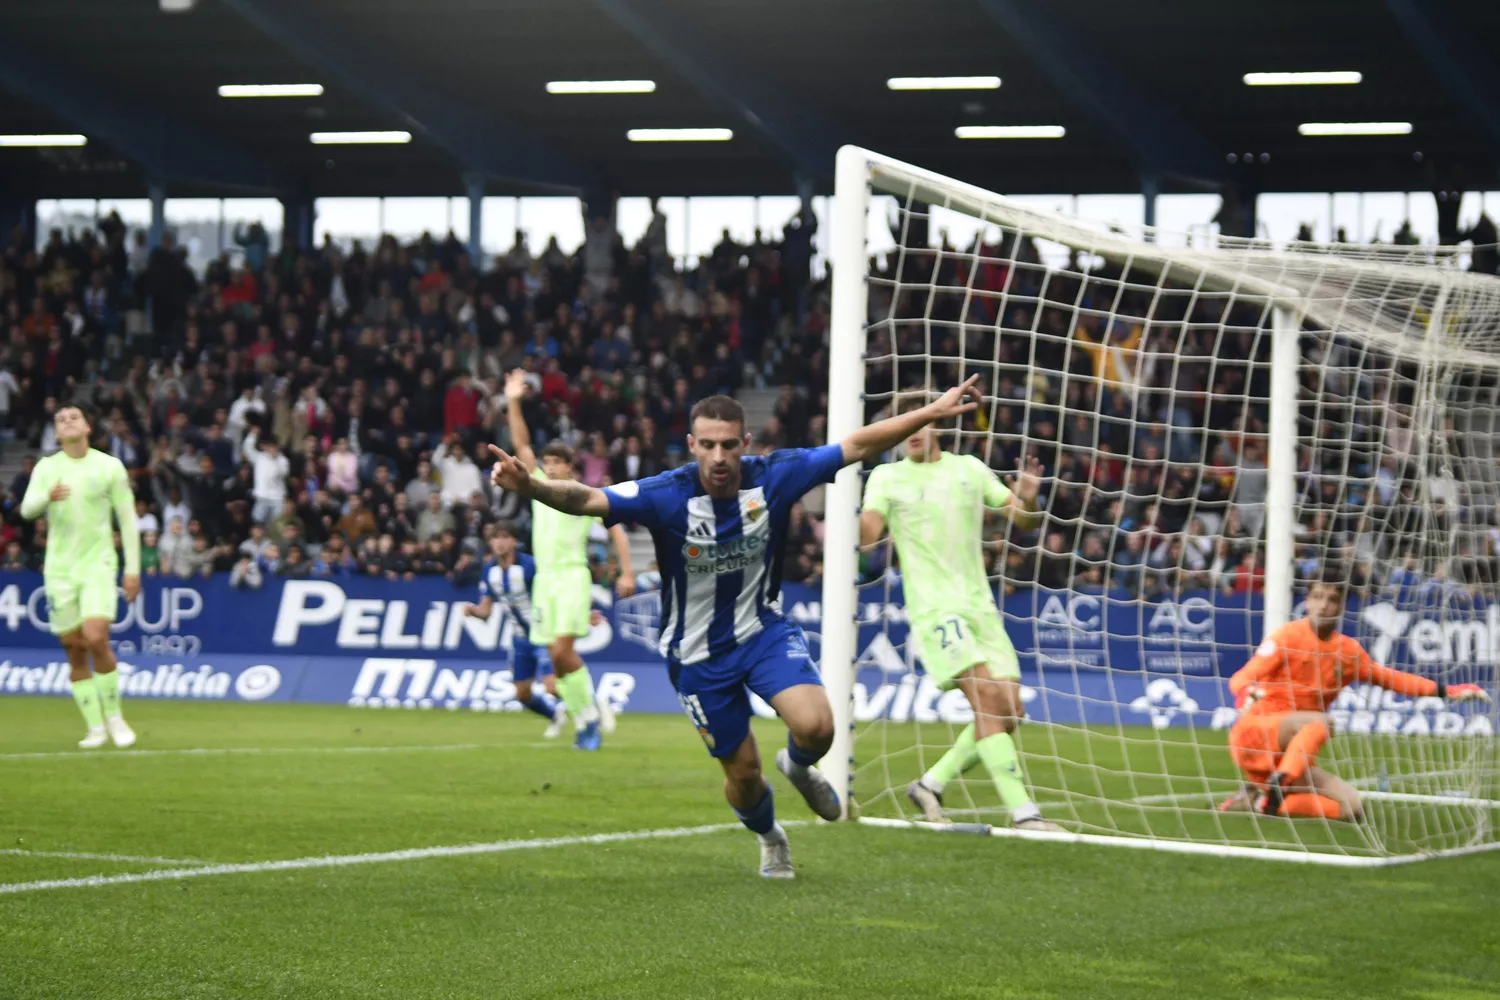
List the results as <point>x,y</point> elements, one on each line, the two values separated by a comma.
<point>560,604</point>
<point>70,602</point>
<point>951,642</point>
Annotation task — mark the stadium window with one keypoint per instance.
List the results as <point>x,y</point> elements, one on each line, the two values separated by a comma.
<point>1280,215</point>
<point>241,213</point>
<point>1381,216</point>
<point>68,213</point>
<point>197,226</point>
<point>1126,210</point>
<point>457,221</point>
<point>499,232</point>
<point>773,212</point>
<point>823,212</point>
<point>708,217</point>
<point>632,219</point>
<point>347,220</point>
<point>675,209</point>
<point>1187,219</point>
<point>408,218</point>
<point>884,228</point>
<point>544,218</point>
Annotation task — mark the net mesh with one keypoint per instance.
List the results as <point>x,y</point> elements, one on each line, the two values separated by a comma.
<point>1137,370</point>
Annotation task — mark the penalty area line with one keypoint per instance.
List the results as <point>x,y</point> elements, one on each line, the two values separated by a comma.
<point>381,857</point>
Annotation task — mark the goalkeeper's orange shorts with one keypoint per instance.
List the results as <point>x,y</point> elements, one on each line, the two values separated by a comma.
<point>1255,745</point>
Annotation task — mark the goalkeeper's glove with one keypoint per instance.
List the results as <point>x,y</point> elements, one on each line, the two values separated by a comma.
<point>1463,692</point>
<point>1250,696</point>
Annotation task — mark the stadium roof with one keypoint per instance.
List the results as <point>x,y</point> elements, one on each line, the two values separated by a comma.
<point>1142,90</point>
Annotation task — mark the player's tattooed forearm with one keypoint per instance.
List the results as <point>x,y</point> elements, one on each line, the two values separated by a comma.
<point>566,495</point>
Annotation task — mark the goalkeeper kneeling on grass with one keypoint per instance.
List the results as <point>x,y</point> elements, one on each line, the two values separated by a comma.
<point>1283,693</point>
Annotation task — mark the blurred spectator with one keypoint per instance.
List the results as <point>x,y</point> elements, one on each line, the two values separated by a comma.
<point>357,522</point>
<point>271,471</point>
<point>246,573</point>
<point>173,548</point>
<point>434,520</point>
<point>343,468</point>
<point>459,476</point>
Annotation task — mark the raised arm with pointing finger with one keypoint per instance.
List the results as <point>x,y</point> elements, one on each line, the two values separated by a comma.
<point>512,472</point>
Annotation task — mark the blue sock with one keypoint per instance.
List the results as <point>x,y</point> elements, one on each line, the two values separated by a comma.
<point>761,817</point>
<point>799,756</point>
<point>541,704</point>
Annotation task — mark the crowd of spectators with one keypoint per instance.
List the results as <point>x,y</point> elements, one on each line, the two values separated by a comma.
<point>1147,404</point>
<point>326,412</point>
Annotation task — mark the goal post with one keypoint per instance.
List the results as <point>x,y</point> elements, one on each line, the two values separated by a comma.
<point>1217,420</point>
<point>846,387</point>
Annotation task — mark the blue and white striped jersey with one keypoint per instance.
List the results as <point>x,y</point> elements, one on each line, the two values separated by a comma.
<point>720,560</point>
<point>511,586</point>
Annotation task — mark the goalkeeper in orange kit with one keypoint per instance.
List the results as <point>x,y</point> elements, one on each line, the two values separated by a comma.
<point>1283,694</point>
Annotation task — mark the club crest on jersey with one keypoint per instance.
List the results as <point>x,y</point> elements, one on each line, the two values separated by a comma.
<point>754,509</point>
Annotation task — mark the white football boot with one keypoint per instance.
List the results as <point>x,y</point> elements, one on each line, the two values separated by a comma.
<point>119,731</point>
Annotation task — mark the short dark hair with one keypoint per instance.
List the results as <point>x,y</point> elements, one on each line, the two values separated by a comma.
<point>83,411</point>
<point>556,449</point>
<point>725,408</point>
<point>1330,575</point>
<point>507,528</point>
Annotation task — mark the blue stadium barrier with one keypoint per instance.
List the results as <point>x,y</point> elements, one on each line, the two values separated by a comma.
<point>377,644</point>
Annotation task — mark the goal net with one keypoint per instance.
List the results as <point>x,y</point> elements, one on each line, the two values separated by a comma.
<point>1218,422</point>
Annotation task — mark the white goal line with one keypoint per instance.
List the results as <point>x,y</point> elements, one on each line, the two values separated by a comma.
<point>1367,795</point>
<point>380,857</point>
<point>1178,846</point>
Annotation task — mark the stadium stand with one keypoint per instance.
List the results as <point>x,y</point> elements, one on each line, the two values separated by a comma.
<point>1155,428</point>
<point>327,413</point>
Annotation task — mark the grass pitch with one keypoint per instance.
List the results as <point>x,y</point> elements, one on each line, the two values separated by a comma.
<point>874,913</point>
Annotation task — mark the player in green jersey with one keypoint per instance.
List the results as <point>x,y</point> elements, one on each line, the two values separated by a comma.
<point>561,593</point>
<point>934,504</point>
<point>76,489</point>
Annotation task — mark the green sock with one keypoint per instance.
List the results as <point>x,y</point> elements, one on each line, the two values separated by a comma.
<point>999,755</point>
<point>87,696</point>
<point>109,692</point>
<point>953,763</point>
<point>577,692</point>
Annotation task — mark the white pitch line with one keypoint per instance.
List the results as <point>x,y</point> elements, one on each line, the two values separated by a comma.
<point>226,751</point>
<point>90,856</point>
<point>1368,796</point>
<point>341,860</point>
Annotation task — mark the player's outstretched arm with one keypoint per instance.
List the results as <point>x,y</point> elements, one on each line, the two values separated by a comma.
<point>1414,686</point>
<point>482,609</point>
<point>868,442</point>
<point>520,434</point>
<point>566,495</point>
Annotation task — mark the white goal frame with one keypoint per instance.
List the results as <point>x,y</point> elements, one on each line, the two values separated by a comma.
<point>858,174</point>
